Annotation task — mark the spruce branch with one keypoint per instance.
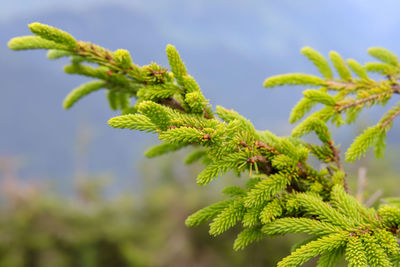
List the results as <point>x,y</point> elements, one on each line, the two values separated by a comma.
<point>322,246</point>
<point>82,91</point>
<point>367,92</point>
<point>284,193</point>
<point>340,107</point>
<point>390,116</point>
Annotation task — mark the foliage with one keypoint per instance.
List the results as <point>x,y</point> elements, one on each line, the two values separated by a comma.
<point>284,192</point>
<point>41,226</point>
<point>44,230</point>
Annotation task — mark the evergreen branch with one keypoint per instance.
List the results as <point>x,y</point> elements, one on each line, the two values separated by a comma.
<point>300,109</point>
<point>390,216</point>
<point>319,97</point>
<point>375,253</point>
<point>330,259</point>
<point>324,245</point>
<point>362,143</point>
<point>387,241</point>
<point>53,34</point>
<point>133,121</point>
<point>234,191</point>
<point>217,168</point>
<point>33,42</point>
<point>103,73</point>
<point>159,92</point>
<point>161,149</point>
<point>265,190</point>
<point>340,107</point>
<point>230,115</point>
<point>382,68</point>
<point>313,124</point>
<point>182,135</point>
<point>227,218</point>
<point>287,195</point>
<point>349,206</point>
<point>157,114</point>
<point>319,61</point>
<point>340,66</point>
<point>96,54</point>
<point>355,252</point>
<point>293,79</point>
<point>177,65</point>
<point>56,54</point>
<point>358,69</point>
<point>194,156</point>
<point>246,237</point>
<point>299,225</point>
<point>389,117</point>
<point>82,91</point>
<point>324,212</point>
<point>208,213</point>
<point>271,211</point>
<point>384,55</point>
<point>251,216</point>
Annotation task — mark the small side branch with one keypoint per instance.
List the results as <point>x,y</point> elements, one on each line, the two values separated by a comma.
<point>336,159</point>
<point>390,119</point>
<point>337,85</point>
<point>340,108</point>
<point>396,88</point>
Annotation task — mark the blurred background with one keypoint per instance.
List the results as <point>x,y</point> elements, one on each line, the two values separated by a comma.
<point>75,192</point>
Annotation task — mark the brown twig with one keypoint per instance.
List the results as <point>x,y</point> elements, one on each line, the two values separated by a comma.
<point>172,102</point>
<point>335,85</point>
<point>340,108</point>
<point>336,159</point>
<point>396,88</point>
<point>336,154</point>
<point>263,165</point>
<point>390,119</point>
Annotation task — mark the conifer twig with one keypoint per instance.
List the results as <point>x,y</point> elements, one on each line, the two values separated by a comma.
<point>340,108</point>
<point>390,119</point>
<point>396,88</point>
<point>336,159</point>
<point>283,192</point>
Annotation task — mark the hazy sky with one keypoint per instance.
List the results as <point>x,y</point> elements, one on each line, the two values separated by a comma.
<point>377,17</point>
